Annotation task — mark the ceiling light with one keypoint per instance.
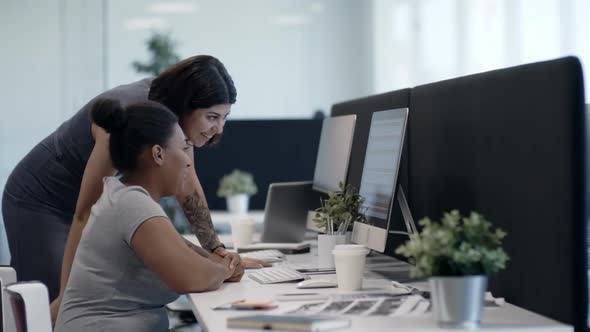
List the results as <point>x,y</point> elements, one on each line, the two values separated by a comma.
<point>317,7</point>
<point>172,7</point>
<point>290,20</point>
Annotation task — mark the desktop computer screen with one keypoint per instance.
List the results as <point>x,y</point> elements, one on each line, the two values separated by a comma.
<point>379,179</point>
<point>333,153</point>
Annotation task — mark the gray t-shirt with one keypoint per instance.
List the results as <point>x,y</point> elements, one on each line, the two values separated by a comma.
<point>110,288</point>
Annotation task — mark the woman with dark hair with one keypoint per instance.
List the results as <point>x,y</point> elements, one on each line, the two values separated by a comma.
<point>48,196</point>
<point>131,261</point>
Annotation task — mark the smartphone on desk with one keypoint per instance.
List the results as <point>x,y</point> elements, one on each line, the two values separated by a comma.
<point>316,270</point>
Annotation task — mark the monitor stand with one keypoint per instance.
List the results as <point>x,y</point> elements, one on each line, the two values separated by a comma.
<point>406,213</point>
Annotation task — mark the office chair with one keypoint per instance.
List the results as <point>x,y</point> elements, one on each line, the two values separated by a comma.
<point>7,276</point>
<point>30,305</point>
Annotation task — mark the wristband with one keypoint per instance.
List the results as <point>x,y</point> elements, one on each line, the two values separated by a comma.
<point>217,246</point>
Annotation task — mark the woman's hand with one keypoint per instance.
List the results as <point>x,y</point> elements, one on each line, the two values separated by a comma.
<point>232,272</point>
<point>253,263</point>
<point>235,257</point>
<point>236,263</point>
<point>54,309</point>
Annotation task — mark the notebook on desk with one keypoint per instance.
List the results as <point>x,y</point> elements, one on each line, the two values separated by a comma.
<point>285,248</point>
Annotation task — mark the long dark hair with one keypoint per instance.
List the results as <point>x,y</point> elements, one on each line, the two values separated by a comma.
<point>197,82</point>
<point>133,128</point>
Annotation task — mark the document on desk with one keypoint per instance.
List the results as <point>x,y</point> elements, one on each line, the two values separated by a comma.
<point>359,305</point>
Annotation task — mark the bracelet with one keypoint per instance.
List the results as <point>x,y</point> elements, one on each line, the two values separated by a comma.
<point>217,246</point>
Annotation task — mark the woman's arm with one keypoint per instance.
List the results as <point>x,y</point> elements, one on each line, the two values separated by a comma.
<point>197,249</point>
<point>98,166</point>
<point>192,201</point>
<point>165,252</point>
<point>247,263</point>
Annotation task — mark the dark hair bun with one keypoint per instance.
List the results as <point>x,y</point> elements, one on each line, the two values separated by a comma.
<point>109,114</point>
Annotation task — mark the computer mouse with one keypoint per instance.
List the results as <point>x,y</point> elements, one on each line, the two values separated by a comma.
<point>317,283</point>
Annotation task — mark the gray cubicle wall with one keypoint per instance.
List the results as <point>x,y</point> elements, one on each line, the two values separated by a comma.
<point>272,150</point>
<point>511,144</point>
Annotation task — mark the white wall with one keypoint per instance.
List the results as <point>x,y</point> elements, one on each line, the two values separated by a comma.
<point>50,66</point>
<point>422,41</point>
<point>286,57</point>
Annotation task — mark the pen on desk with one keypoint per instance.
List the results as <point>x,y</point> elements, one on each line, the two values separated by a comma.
<point>227,306</point>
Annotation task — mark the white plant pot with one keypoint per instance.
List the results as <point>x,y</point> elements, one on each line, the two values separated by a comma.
<point>237,203</point>
<point>458,301</point>
<point>348,239</point>
<point>326,244</point>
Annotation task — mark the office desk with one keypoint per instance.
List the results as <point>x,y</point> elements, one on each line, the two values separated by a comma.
<point>505,318</point>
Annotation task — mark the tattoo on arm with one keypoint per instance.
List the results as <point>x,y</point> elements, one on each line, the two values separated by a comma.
<point>198,216</point>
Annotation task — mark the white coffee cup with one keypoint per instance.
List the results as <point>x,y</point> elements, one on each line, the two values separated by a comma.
<point>350,265</point>
<point>241,232</point>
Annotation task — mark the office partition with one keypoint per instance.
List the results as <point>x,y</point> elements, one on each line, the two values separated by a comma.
<point>272,150</point>
<point>511,144</point>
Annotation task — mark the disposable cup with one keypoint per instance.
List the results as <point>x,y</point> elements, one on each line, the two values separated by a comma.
<point>242,231</point>
<point>350,265</point>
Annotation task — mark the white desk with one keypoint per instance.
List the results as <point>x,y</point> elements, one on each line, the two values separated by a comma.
<point>504,319</point>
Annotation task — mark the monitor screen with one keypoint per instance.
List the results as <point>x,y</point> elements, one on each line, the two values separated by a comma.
<point>380,176</point>
<point>333,153</point>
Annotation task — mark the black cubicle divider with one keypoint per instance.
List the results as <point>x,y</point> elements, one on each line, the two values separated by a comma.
<point>364,108</point>
<point>272,150</point>
<point>510,144</point>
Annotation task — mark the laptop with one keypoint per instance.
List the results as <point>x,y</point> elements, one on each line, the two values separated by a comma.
<point>285,213</point>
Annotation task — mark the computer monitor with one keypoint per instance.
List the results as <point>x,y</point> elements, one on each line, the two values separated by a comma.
<point>379,181</point>
<point>331,166</point>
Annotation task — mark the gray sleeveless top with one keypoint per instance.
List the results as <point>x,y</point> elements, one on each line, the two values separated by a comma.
<point>110,288</point>
<point>48,178</point>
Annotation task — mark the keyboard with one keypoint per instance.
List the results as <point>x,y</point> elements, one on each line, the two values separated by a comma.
<point>273,275</point>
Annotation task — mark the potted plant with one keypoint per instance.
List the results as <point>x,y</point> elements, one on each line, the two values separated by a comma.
<point>162,52</point>
<point>457,254</point>
<point>237,187</point>
<point>335,217</point>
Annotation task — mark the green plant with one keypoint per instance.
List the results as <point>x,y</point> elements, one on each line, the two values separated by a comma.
<point>340,210</point>
<point>237,182</point>
<point>456,246</point>
<point>161,48</point>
